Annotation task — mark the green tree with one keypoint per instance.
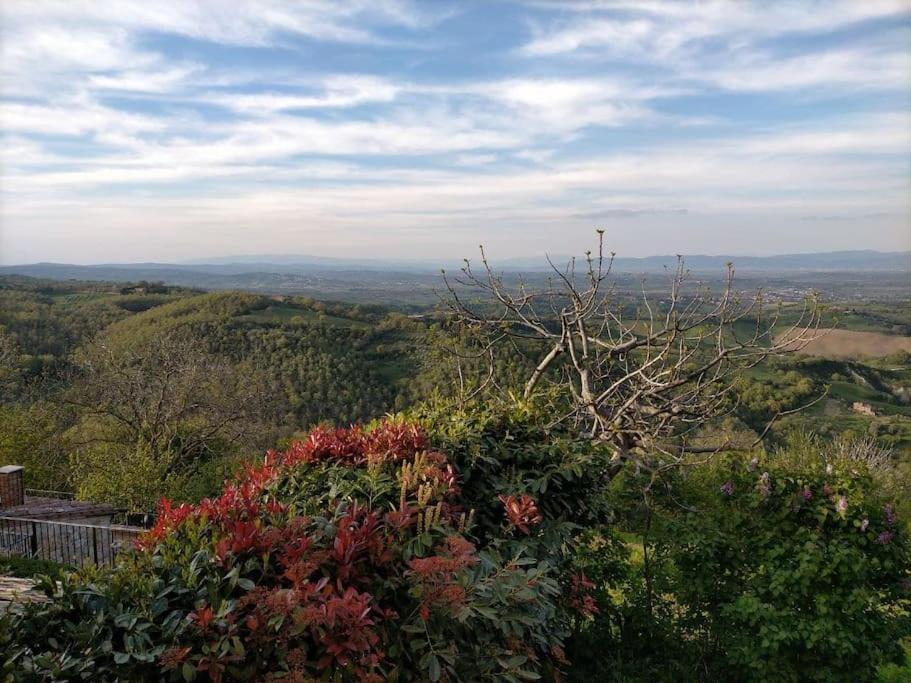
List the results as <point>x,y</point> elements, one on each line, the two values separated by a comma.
<point>157,413</point>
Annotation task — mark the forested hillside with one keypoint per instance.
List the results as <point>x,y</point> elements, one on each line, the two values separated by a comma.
<point>75,353</point>
<point>299,362</point>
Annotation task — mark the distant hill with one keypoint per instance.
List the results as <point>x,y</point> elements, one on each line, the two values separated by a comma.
<point>415,285</point>
<point>364,286</point>
<point>828,261</point>
<point>867,260</point>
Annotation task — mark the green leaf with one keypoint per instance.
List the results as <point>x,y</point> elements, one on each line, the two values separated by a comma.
<point>412,628</point>
<point>433,669</point>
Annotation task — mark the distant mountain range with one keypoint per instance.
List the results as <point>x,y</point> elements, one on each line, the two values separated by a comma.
<point>838,261</point>
<point>406,284</point>
<point>827,261</point>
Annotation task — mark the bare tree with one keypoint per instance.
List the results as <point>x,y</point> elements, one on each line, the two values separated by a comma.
<point>644,384</point>
<point>170,395</point>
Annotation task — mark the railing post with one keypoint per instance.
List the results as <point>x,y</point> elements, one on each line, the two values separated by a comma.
<point>95,544</point>
<point>34,540</point>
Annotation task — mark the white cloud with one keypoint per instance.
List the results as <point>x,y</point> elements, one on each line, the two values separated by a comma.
<point>569,104</point>
<point>45,43</point>
<point>55,48</point>
<point>857,69</point>
<point>759,170</point>
<point>726,42</point>
<point>476,159</point>
<point>337,92</point>
<point>888,133</point>
<point>147,81</point>
<point>73,118</point>
<point>245,22</point>
<point>105,127</point>
<point>656,29</point>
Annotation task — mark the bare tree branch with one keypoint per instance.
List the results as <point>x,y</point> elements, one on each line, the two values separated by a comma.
<point>639,383</point>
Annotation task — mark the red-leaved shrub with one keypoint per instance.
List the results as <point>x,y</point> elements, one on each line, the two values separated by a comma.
<point>349,556</point>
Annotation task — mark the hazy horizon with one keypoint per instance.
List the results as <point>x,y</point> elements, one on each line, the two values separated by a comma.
<point>536,261</point>
<point>167,132</point>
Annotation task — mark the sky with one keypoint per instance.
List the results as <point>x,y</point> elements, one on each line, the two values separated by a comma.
<point>170,130</point>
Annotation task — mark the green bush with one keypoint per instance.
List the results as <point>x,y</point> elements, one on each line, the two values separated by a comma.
<point>793,569</point>
<point>789,567</point>
<point>510,447</point>
<point>486,544</point>
<point>897,672</point>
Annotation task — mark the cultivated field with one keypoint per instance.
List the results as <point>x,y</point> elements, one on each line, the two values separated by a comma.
<point>838,344</point>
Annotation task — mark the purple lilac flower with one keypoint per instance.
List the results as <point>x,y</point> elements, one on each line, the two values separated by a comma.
<point>754,463</point>
<point>864,524</point>
<point>807,494</point>
<point>889,512</point>
<point>842,504</point>
<point>885,537</point>
<point>727,488</point>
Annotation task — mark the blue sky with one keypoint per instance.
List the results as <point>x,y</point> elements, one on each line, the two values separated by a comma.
<point>177,129</point>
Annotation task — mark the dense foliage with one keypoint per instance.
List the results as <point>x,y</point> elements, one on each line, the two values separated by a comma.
<point>312,362</point>
<point>75,359</point>
<point>790,567</point>
<point>470,540</point>
<point>352,552</point>
<point>509,447</point>
<point>478,547</point>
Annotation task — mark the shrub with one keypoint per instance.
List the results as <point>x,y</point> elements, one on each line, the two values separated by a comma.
<point>897,672</point>
<point>517,447</point>
<point>793,566</point>
<point>510,448</point>
<point>351,555</point>
<point>635,633</point>
<point>793,569</point>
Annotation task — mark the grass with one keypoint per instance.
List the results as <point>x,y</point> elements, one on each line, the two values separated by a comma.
<point>27,567</point>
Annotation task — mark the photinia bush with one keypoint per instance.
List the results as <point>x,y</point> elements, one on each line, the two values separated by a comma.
<point>352,555</point>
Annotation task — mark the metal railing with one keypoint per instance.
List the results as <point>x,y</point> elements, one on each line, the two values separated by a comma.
<point>146,520</point>
<point>63,542</point>
<point>45,493</point>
